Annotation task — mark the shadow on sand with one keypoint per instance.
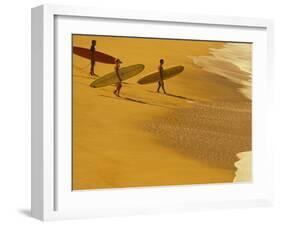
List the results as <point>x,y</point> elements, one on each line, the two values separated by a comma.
<point>176,96</point>
<point>179,97</point>
<point>134,100</point>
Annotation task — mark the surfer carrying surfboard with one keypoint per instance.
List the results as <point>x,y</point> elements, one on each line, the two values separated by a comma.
<point>161,73</point>
<point>119,83</point>
<point>92,57</point>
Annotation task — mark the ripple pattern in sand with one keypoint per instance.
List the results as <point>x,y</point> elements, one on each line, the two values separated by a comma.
<point>212,134</point>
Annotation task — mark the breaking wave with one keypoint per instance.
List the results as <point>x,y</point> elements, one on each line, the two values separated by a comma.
<point>233,61</point>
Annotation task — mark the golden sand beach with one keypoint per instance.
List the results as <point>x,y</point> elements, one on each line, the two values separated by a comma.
<point>144,138</point>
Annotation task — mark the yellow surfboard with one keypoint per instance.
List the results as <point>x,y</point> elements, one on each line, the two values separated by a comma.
<point>155,76</point>
<point>111,78</point>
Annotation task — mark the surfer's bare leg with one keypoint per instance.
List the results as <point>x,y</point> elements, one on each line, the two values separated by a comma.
<point>163,88</point>
<point>159,85</point>
<point>118,89</point>
<point>115,92</point>
<point>92,71</point>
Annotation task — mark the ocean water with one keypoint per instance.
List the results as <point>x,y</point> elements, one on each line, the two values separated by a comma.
<point>244,167</point>
<point>233,61</point>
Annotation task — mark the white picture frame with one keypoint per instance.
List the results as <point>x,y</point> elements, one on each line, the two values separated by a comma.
<point>47,167</point>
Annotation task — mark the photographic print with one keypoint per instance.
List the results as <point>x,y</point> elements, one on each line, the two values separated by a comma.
<point>160,112</point>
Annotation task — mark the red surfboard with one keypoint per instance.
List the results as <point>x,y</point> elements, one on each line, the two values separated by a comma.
<point>99,56</point>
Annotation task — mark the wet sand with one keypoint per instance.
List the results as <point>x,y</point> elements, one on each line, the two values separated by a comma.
<point>190,136</point>
<point>210,133</point>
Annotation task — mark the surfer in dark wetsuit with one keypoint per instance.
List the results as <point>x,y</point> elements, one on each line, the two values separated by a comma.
<point>119,83</point>
<point>161,81</point>
<point>92,58</point>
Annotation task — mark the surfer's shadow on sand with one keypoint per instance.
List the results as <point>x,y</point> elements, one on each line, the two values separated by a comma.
<point>134,100</point>
<point>180,97</point>
<point>175,96</point>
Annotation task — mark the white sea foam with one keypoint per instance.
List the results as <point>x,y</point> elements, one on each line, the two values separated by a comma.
<point>244,167</point>
<point>233,61</point>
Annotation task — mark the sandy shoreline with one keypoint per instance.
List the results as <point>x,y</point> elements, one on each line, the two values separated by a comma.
<point>115,144</point>
<point>211,134</point>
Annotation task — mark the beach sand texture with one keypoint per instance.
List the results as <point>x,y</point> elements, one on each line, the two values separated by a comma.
<point>189,136</point>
